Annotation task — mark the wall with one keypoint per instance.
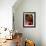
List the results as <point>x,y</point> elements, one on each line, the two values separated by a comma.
<point>29,6</point>
<point>43,22</point>
<point>6,13</point>
<point>6,16</point>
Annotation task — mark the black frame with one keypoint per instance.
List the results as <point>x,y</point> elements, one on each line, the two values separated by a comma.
<point>33,20</point>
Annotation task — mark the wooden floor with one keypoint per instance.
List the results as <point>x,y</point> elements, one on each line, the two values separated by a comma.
<point>9,43</point>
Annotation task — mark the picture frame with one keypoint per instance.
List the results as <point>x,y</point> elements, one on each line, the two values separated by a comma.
<point>29,19</point>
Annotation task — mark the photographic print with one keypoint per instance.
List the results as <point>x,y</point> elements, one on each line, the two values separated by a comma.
<point>29,19</point>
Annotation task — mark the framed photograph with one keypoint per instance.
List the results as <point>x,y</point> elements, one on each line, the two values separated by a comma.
<point>29,19</point>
